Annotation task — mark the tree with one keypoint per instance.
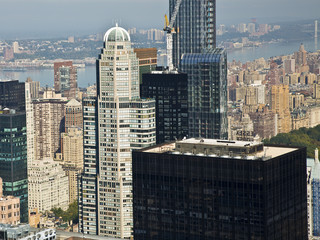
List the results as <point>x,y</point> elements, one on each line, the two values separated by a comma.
<point>71,214</point>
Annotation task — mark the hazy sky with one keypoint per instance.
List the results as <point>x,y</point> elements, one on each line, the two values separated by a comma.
<point>35,18</point>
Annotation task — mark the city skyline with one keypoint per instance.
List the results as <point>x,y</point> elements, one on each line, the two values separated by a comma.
<point>38,19</point>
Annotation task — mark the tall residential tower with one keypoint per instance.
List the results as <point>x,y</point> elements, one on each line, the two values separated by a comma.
<point>195,27</point>
<point>207,93</point>
<point>114,124</point>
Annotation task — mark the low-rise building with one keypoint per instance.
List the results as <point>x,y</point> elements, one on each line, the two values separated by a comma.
<point>9,208</point>
<point>25,232</point>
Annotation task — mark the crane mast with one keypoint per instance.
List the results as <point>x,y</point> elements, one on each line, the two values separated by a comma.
<point>170,30</point>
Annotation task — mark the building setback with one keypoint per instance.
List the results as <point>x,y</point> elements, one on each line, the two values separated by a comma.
<point>217,189</point>
<point>170,91</point>
<point>114,124</point>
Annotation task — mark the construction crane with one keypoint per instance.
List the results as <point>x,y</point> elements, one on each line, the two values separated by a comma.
<point>170,30</point>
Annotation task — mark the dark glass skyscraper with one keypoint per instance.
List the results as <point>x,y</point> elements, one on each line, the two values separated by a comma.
<point>213,189</point>
<point>207,93</point>
<point>170,91</point>
<point>13,157</point>
<point>12,94</point>
<point>195,27</point>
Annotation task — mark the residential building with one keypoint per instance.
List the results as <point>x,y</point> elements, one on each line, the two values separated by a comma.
<point>9,208</point>
<point>65,79</point>
<point>48,185</point>
<point>279,104</point>
<point>29,120</point>
<point>301,56</point>
<point>73,114</point>
<point>170,91</point>
<point>34,88</point>
<point>217,189</point>
<point>73,172</point>
<point>207,93</point>
<point>48,124</point>
<point>195,27</point>
<point>72,147</point>
<point>289,65</point>
<point>316,90</point>
<point>8,53</point>
<point>13,157</point>
<point>116,122</point>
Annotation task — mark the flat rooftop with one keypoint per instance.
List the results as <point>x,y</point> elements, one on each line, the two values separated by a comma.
<point>219,142</point>
<point>221,148</point>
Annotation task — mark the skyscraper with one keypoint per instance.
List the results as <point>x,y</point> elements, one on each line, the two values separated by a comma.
<point>207,93</point>
<point>13,157</point>
<point>195,27</point>
<point>48,124</point>
<point>215,189</point>
<point>170,91</point>
<point>12,94</point>
<point>116,122</point>
<point>65,79</point>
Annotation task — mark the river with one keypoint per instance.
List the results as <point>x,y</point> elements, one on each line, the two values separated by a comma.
<point>272,49</point>
<point>87,76</point>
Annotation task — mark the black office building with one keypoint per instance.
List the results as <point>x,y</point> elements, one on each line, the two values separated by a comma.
<point>13,157</point>
<point>12,94</point>
<point>201,189</point>
<point>170,90</point>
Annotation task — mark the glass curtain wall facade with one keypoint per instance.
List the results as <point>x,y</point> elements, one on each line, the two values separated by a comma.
<point>170,91</point>
<point>207,93</point>
<point>12,94</point>
<point>203,197</point>
<point>119,122</point>
<point>195,27</point>
<point>13,158</point>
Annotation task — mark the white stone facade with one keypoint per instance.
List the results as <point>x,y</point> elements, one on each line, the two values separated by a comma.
<point>48,185</point>
<point>125,122</point>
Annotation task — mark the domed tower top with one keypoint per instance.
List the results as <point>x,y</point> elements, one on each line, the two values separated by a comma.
<point>116,34</point>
